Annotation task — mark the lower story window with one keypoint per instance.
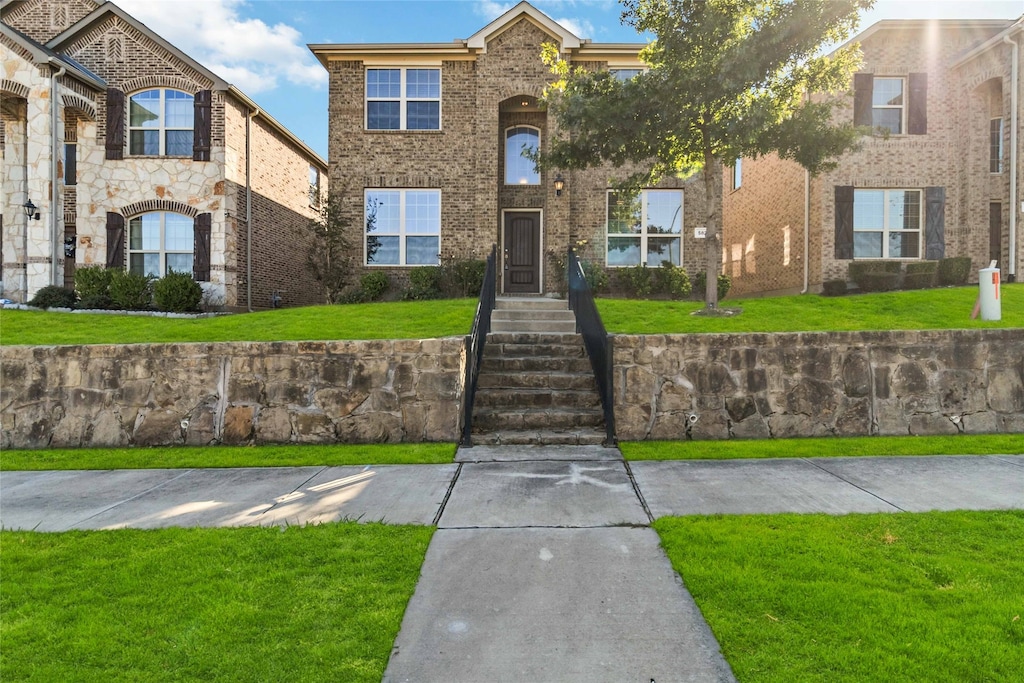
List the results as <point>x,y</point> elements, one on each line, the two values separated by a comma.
<point>160,242</point>
<point>887,224</point>
<point>403,227</point>
<point>645,228</point>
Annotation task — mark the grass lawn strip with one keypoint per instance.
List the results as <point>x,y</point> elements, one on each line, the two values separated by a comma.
<point>227,456</point>
<point>829,447</point>
<point>885,597</point>
<point>316,603</point>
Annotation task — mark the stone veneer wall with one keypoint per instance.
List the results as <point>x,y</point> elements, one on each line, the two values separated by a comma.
<point>819,384</point>
<point>231,393</point>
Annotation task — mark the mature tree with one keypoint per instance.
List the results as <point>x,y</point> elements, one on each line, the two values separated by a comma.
<point>725,79</point>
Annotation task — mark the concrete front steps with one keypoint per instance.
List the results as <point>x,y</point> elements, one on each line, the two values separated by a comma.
<point>536,385</point>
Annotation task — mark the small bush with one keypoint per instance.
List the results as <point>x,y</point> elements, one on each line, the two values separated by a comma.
<point>954,270</point>
<point>879,281</point>
<point>920,275</point>
<point>92,282</point>
<point>870,275</point>
<point>177,293</point>
<point>424,284</point>
<point>53,296</point>
<point>833,288</point>
<point>131,291</point>
<point>459,278</point>
<point>672,281</point>
<point>700,285</point>
<point>374,285</point>
<point>96,302</point>
<point>596,276</point>
<point>636,280</point>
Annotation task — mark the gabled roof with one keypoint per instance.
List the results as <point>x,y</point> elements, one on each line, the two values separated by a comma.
<point>905,24</point>
<point>997,39</point>
<point>43,55</point>
<point>104,11</point>
<point>566,38</point>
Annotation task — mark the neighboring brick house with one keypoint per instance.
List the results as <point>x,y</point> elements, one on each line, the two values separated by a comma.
<point>944,181</point>
<point>425,144</point>
<point>137,156</point>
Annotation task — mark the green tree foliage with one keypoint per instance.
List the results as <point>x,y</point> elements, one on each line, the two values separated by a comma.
<point>328,249</point>
<point>177,293</point>
<point>725,79</point>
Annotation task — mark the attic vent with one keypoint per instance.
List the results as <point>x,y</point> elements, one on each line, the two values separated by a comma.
<point>59,17</point>
<point>115,48</point>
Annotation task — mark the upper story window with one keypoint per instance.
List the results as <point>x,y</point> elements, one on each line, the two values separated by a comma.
<point>737,174</point>
<point>403,99</point>
<point>887,112</point>
<point>160,123</point>
<point>159,242</point>
<point>887,224</point>
<point>314,186</point>
<point>403,227</point>
<point>625,74</point>
<point>645,228</point>
<point>519,169</point>
<point>995,146</point>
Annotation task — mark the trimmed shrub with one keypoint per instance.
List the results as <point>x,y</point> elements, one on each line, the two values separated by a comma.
<point>374,285</point>
<point>131,291</point>
<point>954,270</point>
<point>92,283</point>
<point>597,277</point>
<point>833,288</point>
<point>870,275</point>
<point>700,285</point>
<point>459,278</point>
<point>53,296</point>
<point>920,275</point>
<point>636,280</point>
<point>424,283</point>
<point>96,302</point>
<point>177,293</point>
<point>672,281</point>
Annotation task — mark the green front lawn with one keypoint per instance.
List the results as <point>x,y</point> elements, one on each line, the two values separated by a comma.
<point>273,455</point>
<point>884,597</point>
<point>946,308</point>
<point>829,447</point>
<point>316,603</point>
<point>394,320</point>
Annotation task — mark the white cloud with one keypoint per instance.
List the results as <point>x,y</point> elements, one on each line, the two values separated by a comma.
<point>490,9</point>
<point>244,51</point>
<point>581,28</point>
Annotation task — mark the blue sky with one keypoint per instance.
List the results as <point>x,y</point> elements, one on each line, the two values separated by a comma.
<point>260,45</point>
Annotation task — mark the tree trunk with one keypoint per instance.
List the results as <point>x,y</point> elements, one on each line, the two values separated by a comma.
<point>713,240</point>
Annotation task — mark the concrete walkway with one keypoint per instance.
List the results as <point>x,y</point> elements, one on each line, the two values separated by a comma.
<point>543,567</point>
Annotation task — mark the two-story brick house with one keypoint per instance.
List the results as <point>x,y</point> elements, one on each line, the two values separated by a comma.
<point>137,156</point>
<point>426,141</point>
<point>940,177</point>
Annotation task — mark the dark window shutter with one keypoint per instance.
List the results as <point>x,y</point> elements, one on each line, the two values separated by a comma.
<point>115,240</point>
<point>844,221</point>
<point>934,222</point>
<point>115,124</point>
<point>917,111</point>
<point>863,84</point>
<point>201,255</point>
<point>201,136</point>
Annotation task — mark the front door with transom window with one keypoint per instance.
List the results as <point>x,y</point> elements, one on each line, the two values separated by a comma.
<point>521,256</point>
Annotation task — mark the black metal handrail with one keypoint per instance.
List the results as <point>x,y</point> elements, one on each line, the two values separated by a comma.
<point>595,339</point>
<point>475,343</point>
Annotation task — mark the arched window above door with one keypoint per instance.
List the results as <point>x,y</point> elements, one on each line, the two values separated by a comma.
<point>519,169</point>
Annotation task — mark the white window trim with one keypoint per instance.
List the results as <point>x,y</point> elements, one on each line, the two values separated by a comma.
<point>1002,127</point>
<point>901,107</point>
<point>402,99</point>
<point>402,234</point>
<point>163,128</point>
<point>507,130</point>
<point>162,251</point>
<point>885,224</point>
<point>643,234</point>
<point>612,69</point>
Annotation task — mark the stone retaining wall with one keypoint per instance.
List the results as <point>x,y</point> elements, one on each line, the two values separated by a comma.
<point>819,384</point>
<point>231,393</point>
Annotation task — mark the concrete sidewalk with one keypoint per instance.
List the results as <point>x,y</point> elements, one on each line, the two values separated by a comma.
<point>543,567</point>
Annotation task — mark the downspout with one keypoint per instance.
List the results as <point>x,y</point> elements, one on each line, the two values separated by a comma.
<point>57,241</point>
<point>248,210</point>
<point>807,231</point>
<point>1014,125</point>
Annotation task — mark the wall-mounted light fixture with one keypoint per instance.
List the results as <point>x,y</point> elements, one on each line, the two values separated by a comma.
<point>31,210</point>
<point>559,185</point>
